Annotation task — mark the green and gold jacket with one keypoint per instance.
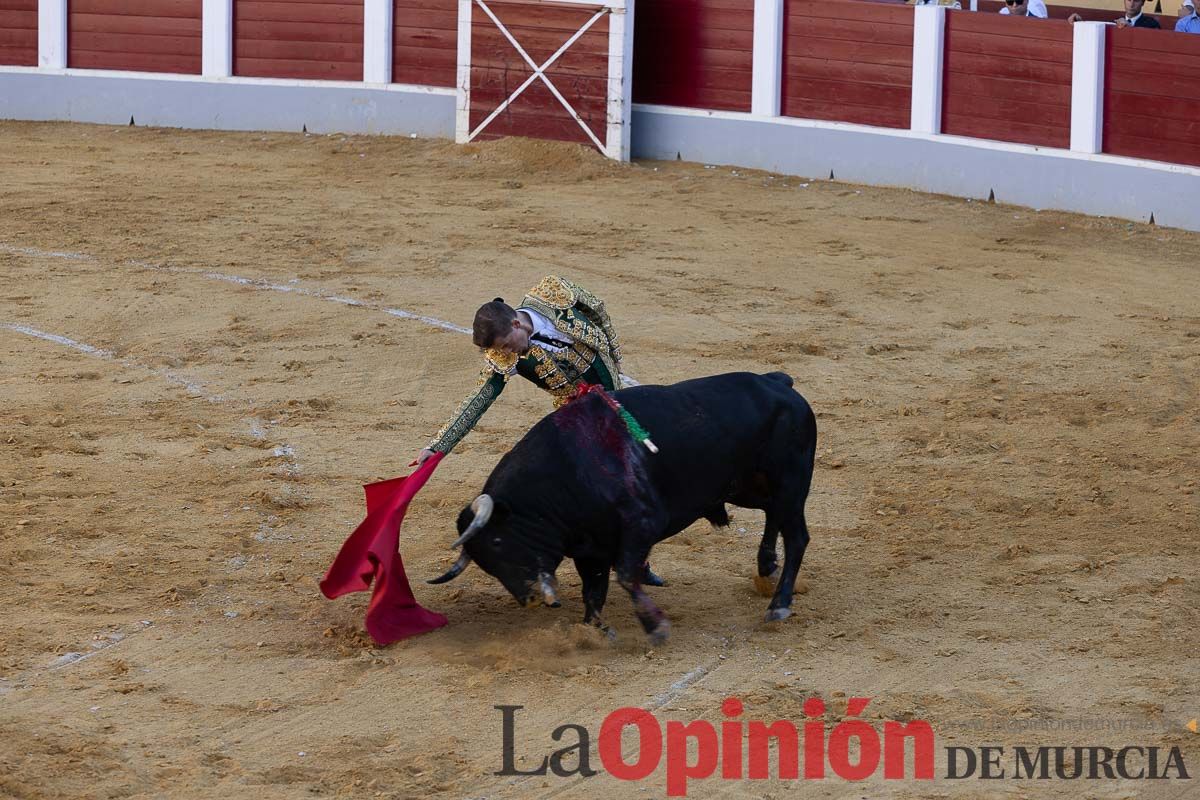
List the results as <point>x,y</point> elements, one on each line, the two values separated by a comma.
<point>594,357</point>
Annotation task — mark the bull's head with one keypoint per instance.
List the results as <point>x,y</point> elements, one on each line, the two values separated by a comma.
<point>488,536</point>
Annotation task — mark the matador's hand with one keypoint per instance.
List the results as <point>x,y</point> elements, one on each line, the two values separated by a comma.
<point>425,455</point>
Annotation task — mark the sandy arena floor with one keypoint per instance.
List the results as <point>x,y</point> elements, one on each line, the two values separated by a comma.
<point>1005,519</point>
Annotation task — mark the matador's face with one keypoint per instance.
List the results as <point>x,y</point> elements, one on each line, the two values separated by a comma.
<point>517,340</point>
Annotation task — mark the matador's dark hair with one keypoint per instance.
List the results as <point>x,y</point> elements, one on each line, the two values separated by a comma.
<point>492,321</point>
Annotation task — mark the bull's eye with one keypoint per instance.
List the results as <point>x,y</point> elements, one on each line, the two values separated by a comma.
<point>496,540</point>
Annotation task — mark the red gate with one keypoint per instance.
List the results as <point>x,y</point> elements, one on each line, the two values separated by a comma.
<point>549,69</point>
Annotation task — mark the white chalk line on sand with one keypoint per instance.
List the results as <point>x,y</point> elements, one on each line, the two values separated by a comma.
<point>258,283</point>
<point>193,387</point>
<point>32,251</point>
<point>679,687</point>
<point>63,340</point>
<point>289,469</point>
<point>320,294</point>
<point>100,643</point>
<point>254,283</point>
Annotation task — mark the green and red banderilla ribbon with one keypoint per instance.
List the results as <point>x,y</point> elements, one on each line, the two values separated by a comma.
<point>635,429</point>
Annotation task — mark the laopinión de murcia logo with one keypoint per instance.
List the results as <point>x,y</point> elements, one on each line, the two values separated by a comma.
<point>852,750</point>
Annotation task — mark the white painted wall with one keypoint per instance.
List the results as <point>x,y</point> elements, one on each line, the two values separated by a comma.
<point>1039,177</point>
<point>231,104</point>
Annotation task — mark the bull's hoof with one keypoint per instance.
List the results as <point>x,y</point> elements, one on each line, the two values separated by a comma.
<point>765,584</point>
<point>778,614</point>
<point>650,579</point>
<point>608,632</point>
<point>660,634</point>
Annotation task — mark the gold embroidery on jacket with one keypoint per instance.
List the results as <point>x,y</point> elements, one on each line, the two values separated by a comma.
<point>561,397</point>
<point>555,292</point>
<point>548,371</point>
<point>579,358</point>
<point>502,361</point>
<point>491,383</point>
<point>592,307</point>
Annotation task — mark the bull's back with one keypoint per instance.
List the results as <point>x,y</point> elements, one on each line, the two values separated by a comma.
<point>715,430</point>
<point>712,433</point>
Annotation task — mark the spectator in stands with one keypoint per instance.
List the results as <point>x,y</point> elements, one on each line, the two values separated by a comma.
<point>1134,18</point>
<point>1189,20</point>
<point>1025,8</point>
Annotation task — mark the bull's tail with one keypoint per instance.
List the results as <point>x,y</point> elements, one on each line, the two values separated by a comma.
<point>781,377</point>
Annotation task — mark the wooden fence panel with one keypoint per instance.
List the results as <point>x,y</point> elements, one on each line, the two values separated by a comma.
<point>848,62</point>
<point>694,53</point>
<point>321,40</point>
<point>137,35</point>
<point>1007,78</point>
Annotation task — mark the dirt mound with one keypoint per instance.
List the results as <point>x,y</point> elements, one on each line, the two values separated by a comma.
<point>515,158</point>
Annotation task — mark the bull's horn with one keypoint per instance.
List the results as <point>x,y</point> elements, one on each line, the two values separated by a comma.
<point>455,570</point>
<point>549,592</point>
<point>482,507</point>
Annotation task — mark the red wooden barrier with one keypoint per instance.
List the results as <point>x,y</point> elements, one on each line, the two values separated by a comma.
<point>138,35</point>
<point>848,62</point>
<point>425,42</point>
<point>1152,95</point>
<point>314,39</point>
<point>1007,78</point>
<point>18,33</point>
<point>497,70</point>
<point>694,53</point>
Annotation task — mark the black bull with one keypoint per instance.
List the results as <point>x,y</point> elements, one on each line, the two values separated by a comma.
<point>578,486</point>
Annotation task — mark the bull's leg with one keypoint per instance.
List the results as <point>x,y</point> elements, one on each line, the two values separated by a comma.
<point>795,541</point>
<point>790,515</point>
<point>768,565</point>
<point>594,574</point>
<point>629,575</point>
<point>642,521</point>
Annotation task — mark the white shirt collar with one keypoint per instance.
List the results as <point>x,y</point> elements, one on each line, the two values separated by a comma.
<point>545,329</point>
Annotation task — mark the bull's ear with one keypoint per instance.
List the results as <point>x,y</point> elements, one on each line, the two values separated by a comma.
<point>464,519</point>
<point>501,510</point>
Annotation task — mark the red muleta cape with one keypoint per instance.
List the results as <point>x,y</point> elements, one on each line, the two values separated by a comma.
<point>373,553</point>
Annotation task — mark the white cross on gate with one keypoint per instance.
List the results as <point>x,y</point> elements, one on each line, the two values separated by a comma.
<point>620,53</point>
